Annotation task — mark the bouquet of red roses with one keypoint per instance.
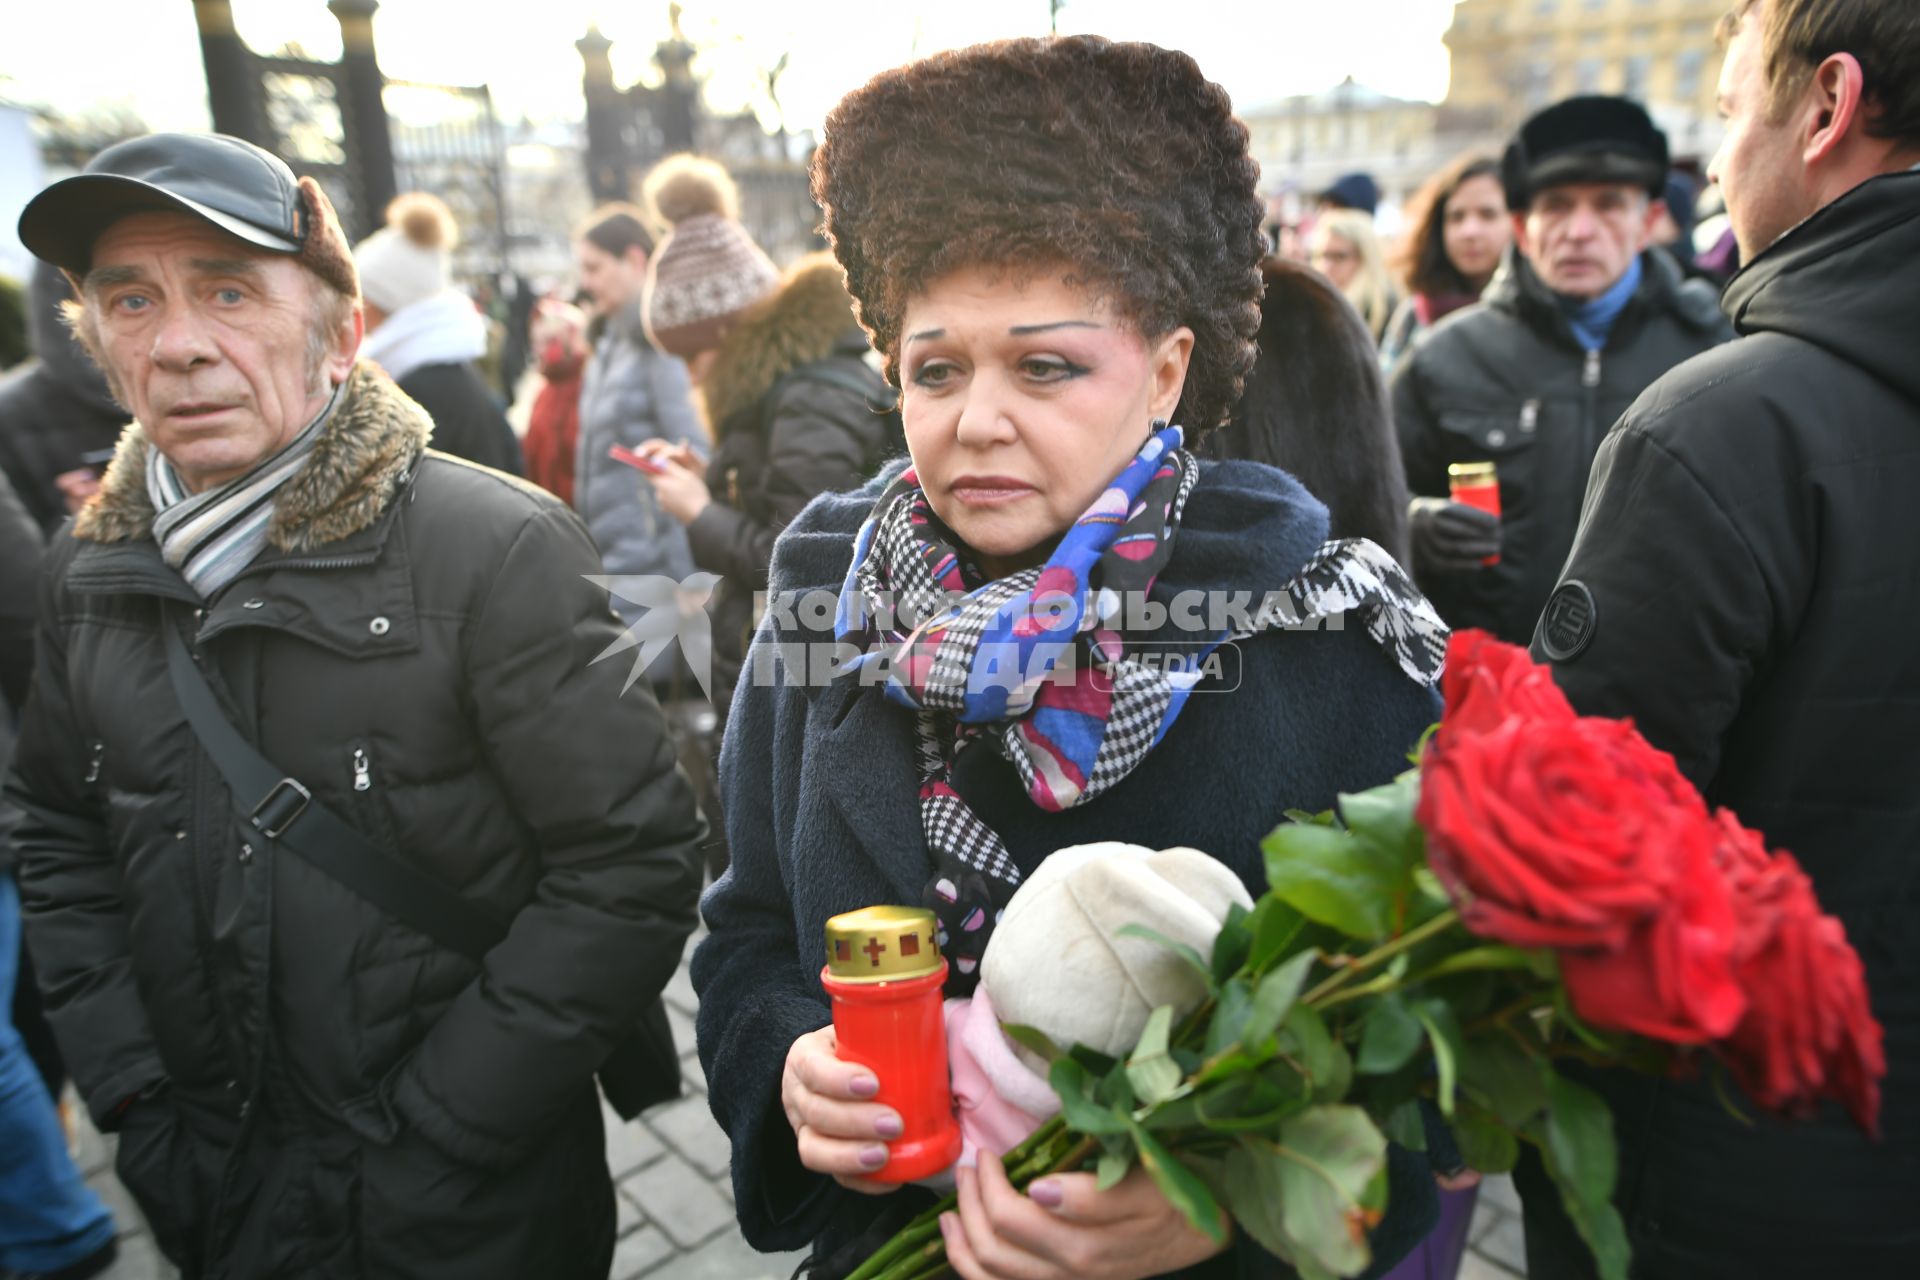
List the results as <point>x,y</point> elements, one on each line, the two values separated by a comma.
<point>1542,887</point>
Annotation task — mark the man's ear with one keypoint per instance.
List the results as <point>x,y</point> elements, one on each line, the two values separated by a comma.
<point>1656,209</point>
<point>346,346</point>
<point>1835,104</point>
<point>1521,240</point>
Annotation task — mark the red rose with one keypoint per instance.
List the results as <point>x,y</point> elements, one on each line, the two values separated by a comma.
<point>1488,680</point>
<point>1553,834</point>
<point>1808,1032</point>
<point>1673,979</point>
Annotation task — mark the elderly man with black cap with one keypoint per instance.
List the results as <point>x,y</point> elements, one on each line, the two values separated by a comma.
<point>1582,315</point>
<point>346,866</point>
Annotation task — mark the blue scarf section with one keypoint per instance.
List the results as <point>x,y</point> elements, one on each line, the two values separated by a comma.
<point>1593,320</point>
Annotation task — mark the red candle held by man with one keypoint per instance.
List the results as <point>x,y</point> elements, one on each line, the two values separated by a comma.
<point>885,975</point>
<point>1476,484</point>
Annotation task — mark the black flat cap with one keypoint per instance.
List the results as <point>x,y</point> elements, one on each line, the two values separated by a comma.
<point>233,184</point>
<point>1589,139</point>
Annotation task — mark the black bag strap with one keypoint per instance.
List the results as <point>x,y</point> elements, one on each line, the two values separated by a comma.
<point>288,813</point>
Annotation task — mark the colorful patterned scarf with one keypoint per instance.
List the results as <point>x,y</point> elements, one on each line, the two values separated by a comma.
<point>1041,665</point>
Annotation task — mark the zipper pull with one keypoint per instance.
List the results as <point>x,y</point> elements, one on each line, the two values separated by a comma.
<point>362,771</point>
<point>1530,416</point>
<point>1590,377</point>
<point>98,754</point>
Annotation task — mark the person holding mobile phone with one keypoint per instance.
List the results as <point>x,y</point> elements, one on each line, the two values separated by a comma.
<point>779,364</point>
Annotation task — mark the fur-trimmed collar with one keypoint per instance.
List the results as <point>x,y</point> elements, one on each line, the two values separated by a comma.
<point>800,322</point>
<point>364,454</point>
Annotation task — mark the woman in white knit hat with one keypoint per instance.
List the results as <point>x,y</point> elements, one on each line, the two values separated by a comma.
<point>426,334</point>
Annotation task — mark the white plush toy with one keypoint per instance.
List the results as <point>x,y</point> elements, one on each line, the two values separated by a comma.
<point>1057,962</point>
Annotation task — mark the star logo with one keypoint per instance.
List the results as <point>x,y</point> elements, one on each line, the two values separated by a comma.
<point>674,611</point>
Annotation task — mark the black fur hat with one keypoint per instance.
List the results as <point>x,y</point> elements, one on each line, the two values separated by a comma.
<point>1588,139</point>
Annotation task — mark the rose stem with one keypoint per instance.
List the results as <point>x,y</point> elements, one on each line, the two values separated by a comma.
<point>1386,951</point>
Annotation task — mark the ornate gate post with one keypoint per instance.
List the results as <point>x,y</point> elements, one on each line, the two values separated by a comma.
<point>362,107</point>
<point>233,80</point>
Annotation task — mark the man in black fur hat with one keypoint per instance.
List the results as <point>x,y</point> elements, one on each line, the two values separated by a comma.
<point>1582,315</point>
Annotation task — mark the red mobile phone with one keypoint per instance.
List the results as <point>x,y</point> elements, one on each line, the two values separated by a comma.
<point>620,453</point>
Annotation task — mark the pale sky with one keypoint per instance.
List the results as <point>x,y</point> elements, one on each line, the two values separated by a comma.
<point>77,54</point>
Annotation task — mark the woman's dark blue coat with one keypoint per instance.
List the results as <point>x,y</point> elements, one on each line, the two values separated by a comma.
<point>821,809</point>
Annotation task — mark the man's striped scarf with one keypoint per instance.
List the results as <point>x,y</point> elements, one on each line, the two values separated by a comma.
<point>210,537</point>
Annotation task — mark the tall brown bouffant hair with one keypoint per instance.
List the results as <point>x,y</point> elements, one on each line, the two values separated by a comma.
<point>1120,162</point>
<point>1421,260</point>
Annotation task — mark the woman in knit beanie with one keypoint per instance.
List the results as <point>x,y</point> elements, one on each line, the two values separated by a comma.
<point>792,405</point>
<point>426,334</point>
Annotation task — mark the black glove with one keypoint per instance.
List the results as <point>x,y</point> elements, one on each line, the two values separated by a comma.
<point>1451,537</point>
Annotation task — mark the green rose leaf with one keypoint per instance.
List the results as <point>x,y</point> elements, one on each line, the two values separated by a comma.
<point>1404,1125</point>
<point>1499,1076</point>
<point>1274,926</point>
<point>1112,1167</point>
<point>1443,1031</point>
<point>1274,999</point>
<point>1580,1149</point>
<point>1390,1038</point>
<point>1235,941</point>
<point>1485,1143</point>
<point>1181,1186</point>
<point>1154,1075</point>
<point>1576,1139</point>
<point>1383,816</point>
<point>1330,877</point>
<point>1180,949</point>
<point>1082,1114</point>
<point>1324,1169</point>
<point>1233,1006</point>
<point>1035,1039</point>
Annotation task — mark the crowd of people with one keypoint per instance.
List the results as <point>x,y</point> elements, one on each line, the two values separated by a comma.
<point>340,877</point>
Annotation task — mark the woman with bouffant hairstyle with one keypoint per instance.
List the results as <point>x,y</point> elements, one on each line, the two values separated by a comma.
<point>1055,247</point>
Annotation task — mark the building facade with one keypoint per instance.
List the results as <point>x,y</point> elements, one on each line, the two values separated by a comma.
<point>1512,57</point>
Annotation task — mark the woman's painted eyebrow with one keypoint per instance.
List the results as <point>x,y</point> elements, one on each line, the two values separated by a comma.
<point>1022,330</point>
<point>1018,331</point>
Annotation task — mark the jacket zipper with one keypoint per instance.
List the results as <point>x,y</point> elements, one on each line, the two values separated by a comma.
<point>95,758</point>
<point>1590,379</point>
<point>362,770</point>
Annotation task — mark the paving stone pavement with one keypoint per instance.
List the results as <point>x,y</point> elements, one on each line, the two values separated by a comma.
<point>676,1202</point>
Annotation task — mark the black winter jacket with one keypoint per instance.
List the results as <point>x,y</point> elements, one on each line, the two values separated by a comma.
<point>795,411</point>
<point>1506,382</point>
<point>55,410</point>
<point>20,548</point>
<point>821,788</point>
<point>1743,586</point>
<point>467,420</point>
<point>342,1096</point>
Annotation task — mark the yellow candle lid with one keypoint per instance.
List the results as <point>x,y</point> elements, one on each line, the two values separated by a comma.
<point>882,944</point>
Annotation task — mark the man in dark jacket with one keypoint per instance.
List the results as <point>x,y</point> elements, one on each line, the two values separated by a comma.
<point>54,412</point>
<point>1741,586</point>
<point>1579,319</point>
<point>303,1083</point>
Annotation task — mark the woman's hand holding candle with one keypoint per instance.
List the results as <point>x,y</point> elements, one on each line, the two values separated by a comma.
<point>840,1132</point>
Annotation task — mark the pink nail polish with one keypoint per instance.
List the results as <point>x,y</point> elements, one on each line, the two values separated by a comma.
<point>1047,1194</point>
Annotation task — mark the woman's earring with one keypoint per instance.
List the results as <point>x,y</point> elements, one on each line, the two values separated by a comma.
<point>1157,425</point>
